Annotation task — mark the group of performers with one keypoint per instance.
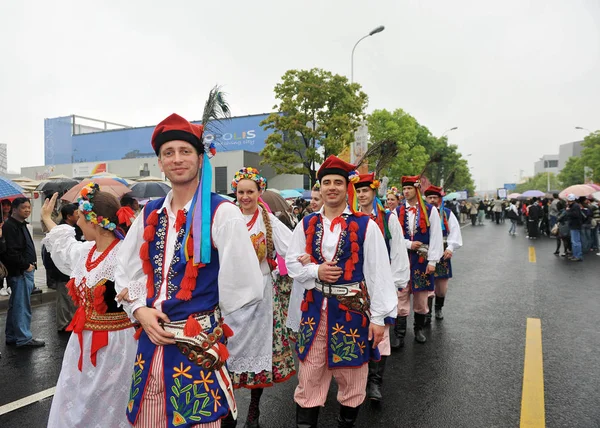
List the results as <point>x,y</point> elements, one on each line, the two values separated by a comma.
<point>197,297</point>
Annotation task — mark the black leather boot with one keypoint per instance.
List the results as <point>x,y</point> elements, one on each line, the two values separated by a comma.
<point>228,421</point>
<point>439,304</point>
<point>428,316</point>
<point>419,325</point>
<point>399,332</point>
<point>347,416</point>
<point>254,408</point>
<point>375,379</point>
<point>307,417</point>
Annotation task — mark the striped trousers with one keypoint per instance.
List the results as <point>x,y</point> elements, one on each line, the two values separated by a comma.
<point>153,411</point>
<point>314,376</point>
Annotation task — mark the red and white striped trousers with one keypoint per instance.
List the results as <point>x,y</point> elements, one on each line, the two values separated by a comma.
<point>314,376</point>
<point>153,411</point>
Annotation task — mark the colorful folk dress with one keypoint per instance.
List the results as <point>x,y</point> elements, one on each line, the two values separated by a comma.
<point>419,279</point>
<point>443,269</point>
<point>260,351</point>
<point>101,351</point>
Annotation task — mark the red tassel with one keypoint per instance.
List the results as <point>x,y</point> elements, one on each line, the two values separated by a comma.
<point>150,287</point>
<point>353,226</point>
<point>304,306</point>
<point>344,308</point>
<point>353,237</point>
<point>223,352</point>
<point>191,271</point>
<point>309,296</point>
<point>364,321</point>
<point>99,303</point>
<point>184,295</point>
<point>147,267</point>
<point>152,219</point>
<point>227,331</point>
<point>312,221</point>
<point>138,333</point>
<point>348,316</point>
<point>180,220</point>
<point>354,247</point>
<point>145,251</point>
<point>149,232</point>
<point>192,327</point>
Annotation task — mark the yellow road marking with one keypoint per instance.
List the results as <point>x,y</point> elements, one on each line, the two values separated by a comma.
<point>532,255</point>
<point>532,400</point>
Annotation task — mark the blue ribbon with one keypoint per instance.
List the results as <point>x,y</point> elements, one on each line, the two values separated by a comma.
<point>202,215</point>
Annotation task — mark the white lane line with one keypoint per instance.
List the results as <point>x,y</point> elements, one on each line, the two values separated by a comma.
<point>10,407</point>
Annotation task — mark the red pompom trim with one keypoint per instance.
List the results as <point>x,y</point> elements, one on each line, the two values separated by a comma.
<point>188,283</point>
<point>152,219</point>
<point>72,291</point>
<point>149,232</point>
<point>150,286</point>
<point>180,220</point>
<point>223,352</point>
<point>309,296</point>
<point>349,267</point>
<point>227,331</point>
<point>353,226</point>
<point>145,251</point>
<point>192,327</point>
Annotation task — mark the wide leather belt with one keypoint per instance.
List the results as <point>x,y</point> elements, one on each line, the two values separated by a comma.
<point>202,349</point>
<point>330,290</point>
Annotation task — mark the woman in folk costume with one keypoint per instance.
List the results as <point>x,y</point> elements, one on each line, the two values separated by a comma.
<point>196,265</point>
<point>260,352</point>
<point>420,223</point>
<point>349,290</point>
<point>101,351</point>
<point>392,198</point>
<point>452,242</point>
<point>369,203</point>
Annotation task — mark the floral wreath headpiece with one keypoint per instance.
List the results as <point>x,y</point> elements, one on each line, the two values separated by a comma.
<point>249,173</point>
<point>86,206</point>
<point>393,191</point>
<point>317,186</point>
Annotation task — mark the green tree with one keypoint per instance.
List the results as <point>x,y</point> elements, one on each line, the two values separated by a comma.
<point>591,154</point>
<point>572,172</point>
<point>316,110</point>
<point>539,182</point>
<point>416,145</point>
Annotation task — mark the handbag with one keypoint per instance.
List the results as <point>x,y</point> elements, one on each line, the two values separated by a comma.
<point>3,271</point>
<point>554,230</point>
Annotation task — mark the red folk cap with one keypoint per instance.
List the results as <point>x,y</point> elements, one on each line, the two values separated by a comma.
<point>365,180</point>
<point>334,165</point>
<point>411,180</point>
<point>174,128</point>
<point>434,190</point>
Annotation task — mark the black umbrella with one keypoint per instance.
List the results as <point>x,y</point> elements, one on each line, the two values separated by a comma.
<point>149,189</point>
<point>60,185</point>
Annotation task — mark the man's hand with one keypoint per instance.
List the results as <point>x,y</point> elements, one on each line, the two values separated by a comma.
<point>430,269</point>
<point>447,254</point>
<point>148,318</point>
<point>376,333</point>
<point>329,272</point>
<point>30,268</point>
<point>415,245</point>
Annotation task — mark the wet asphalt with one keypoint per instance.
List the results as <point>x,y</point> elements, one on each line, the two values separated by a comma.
<point>468,374</point>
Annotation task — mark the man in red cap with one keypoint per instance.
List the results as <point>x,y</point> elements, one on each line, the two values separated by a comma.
<point>369,203</point>
<point>196,265</point>
<point>349,291</point>
<point>420,223</point>
<point>452,242</point>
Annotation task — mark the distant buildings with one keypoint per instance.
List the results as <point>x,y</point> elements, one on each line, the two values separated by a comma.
<point>555,163</point>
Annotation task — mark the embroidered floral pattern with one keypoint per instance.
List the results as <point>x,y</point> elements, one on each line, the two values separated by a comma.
<point>190,404</point>
<point>420,280</point>
<point>283,366</point>
<point>343,347</point>
<point>138,368</point>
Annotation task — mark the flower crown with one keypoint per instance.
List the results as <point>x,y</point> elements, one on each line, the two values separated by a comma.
<point>86,206</point>
<point>249,173</point>
<point>393,191</point>
<point>317,186</point>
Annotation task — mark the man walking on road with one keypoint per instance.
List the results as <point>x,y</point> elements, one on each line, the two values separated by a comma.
<point>575,223</point>
<point>349,291</point>
<point>423,236</point>
<point>452,242</point>
<point>21,261</point>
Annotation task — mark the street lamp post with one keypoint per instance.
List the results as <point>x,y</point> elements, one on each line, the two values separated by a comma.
<point>448,130</point>
<point>373,32</point>
<point>583,129</point>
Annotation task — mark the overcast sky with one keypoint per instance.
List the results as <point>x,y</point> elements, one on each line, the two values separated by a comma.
<point>515,76</point>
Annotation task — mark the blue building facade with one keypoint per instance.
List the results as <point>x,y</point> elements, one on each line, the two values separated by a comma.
<point>63,145</point>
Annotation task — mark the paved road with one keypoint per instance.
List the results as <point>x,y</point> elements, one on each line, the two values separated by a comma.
<point>469,374</point>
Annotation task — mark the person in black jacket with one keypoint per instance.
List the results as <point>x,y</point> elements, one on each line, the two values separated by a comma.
<point>20,261</point>
<point>575,223</point>
<point>65,308</point>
